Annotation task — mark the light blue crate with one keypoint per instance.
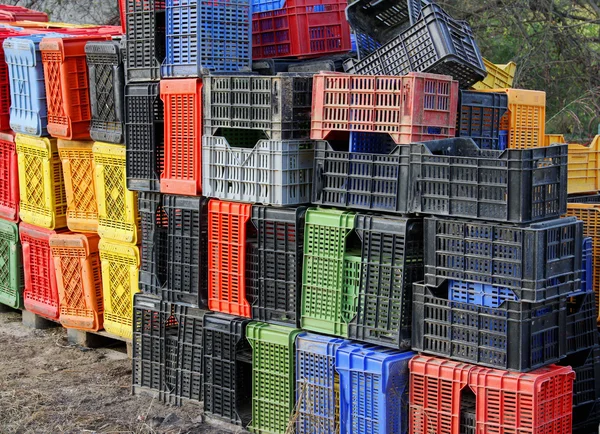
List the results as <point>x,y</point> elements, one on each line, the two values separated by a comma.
<point>214,36</point>
<point>373,389</point>
<point>28,111</point>
<point>316,380</point>
<point>267,5</point>
<point>479,293</point>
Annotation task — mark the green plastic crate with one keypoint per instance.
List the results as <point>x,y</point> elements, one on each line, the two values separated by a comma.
<point>11,268</point>
<point>331,273</point>
<point>273,376</point>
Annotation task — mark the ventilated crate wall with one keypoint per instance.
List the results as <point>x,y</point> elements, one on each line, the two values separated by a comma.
<point>479,117</point>
<point>584,168</point>
<point>154,247</point>
<point>498,76</point>
<point>381,21</point>
<point>9,176</point>
<point>4,81</point>
<point>11,273</point>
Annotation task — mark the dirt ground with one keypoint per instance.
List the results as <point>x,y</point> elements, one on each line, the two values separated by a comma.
<point>47,386</point>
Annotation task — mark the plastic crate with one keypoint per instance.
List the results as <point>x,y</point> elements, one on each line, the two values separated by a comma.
<point>392,260</point>
<point>80,185</point>
<point>525,120</point>
<point>273,382</point>
<point>280,105</point>
<point>230,233</point>
<point>41,184</point>
<point>67,86</point>
<point>227,369</point>
<point>479,293</point>
<point>5,32</point>
<point>331,272</point>
<point>269,172</point>
<point>183,136</point>
<point>373,389</point>
<point>20,13</point>
<point>40,293</point>
<point>187,247</point>
<point>479,117</point>
<point>11,272</point>
<point>154,247</point>
<point>587,265</point>
<point>370,143</point>
<point>267,5</point>
<point>533,402</point>
<point>120,268</point>
<point>107,81</point>
<point>79,280</point>
<point>207,36</point>
<point>280,238</point>
<point>146,34</point>
<point>9,178</point>
<point>584,198</point>
<point>144,136</point>
<point>582,331</point>
<point>498,76</point>
<point>416,107</point>
<point>118,218</point>
<point>550,139</point>
<point>381,20</point>
<point>468,417</point>
<point>317,384</point>
<point>584,168</point>
<point>436,43</point>
<point>302,29</point>
<point>517,336</point>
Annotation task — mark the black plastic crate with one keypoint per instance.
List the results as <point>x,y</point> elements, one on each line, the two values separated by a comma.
<point>187,252</point>
<point>516,336</point>
<point>146,39</point>
<point>537,262</point>
<point>585,198</point>
<point>392,260</point>
<point>227,368</point>
<point>144,136</point>
<point>279,257</point>
<point>468,416</point>
<point>582,330</point>
<point>107,85</point>
<point>279,105</point>
<point>380,20</point>
<point>479,117</point>
<point>154,247</point>
<point>436,43</point>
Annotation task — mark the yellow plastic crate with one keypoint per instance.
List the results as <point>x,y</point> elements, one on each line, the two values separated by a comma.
<point>80,185</point>
<point>120,266</point>
<point>550,139</point>
<point>118,218</point>
<point>41,182</point>
<point>499,76</point>
<point>584,168</point>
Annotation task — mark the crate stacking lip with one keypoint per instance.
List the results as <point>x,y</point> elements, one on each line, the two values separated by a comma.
<point>41,182</point>
<point>9,178</point>
<point>67,86</point>
<point>207,36</point>
<point>107,78</point>
<point>144,136</point>
<point>11,272</point>
<point>80,184</point>
<point>118,217</point>
<point>79,280</point>
<point>411,108</point>
<point>120,268</point>
<point>301,29</point>
<point>479,117</point>
<point>436,43</point>
<point>154,247</point>
<point>40,292</point>
<point>584,167</point>
<point>498,76</point>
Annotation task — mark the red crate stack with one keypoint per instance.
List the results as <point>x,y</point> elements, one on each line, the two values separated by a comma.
<point>9,178</point>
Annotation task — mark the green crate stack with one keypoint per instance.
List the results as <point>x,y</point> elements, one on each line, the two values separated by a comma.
<point>11,271</point>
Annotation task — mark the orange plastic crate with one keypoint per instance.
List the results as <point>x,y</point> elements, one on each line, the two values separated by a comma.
<point>40,294</point>
<point>67,86</point>
<point>183,136</point>
<point>79,280</point>
<point>9,178</point>
<point>584,168</point>
<point>230,235</point>
<point>80,185</point>
<point>550,139</point>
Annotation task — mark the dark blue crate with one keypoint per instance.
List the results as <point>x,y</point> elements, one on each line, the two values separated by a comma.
<point>479,117</point>
<point>317,384</point>
<point>479,294</point>
<point>373,389</point>
<point>371,143</point>
<point>502,140</point>
<point>207,36</point>
<point>587,265</point>
<point>365,44</point>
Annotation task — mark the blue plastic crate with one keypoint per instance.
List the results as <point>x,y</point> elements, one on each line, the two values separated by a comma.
<point>373,389</point>
<point>371,143</point>
<point>479,293</point>
<point>586,265</point>
<point>267,5</point>
<point>28,110</point>
<point>317,383</point>
<point>502,140</point>
<point>203,35</point>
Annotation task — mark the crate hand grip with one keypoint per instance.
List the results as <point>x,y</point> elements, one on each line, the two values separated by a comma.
<point>27,263</point>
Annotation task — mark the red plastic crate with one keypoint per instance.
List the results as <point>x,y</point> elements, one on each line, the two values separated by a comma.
<point>229,237</point>
<point>182,173</point>
<point>20,13</point>
<point>9,178</point>
<point>67,85</point>
<point>535,402</point>
<point>412,108</point>
<point>4,83</point>
<point>40,294</point>
<point>303,28</point>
